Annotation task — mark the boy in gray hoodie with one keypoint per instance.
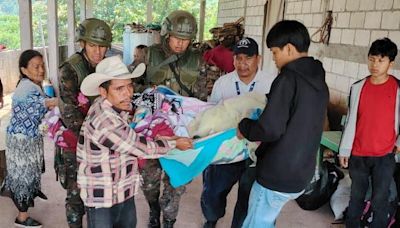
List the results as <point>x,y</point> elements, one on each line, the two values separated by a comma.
<point>371,135</point>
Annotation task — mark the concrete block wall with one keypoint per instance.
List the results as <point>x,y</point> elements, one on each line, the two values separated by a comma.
<point>254,20</point>
<point>251,10</point>
<point>356,24</point>
<point>230,10</point>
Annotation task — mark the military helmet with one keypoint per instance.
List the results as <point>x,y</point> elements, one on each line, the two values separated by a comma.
<point>180,24</point>
<point>94,31</point>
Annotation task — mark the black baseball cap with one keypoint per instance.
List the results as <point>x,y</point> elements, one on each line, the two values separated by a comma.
<point>247,46</point>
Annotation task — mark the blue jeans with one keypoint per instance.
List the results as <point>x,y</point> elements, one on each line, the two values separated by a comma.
<point>380,170</point>
<point>265,206</point>
<point>218,181</point>
<point>121,215</point>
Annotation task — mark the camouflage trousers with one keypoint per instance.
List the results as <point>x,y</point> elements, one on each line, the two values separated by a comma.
<point>66,168</point>
<point>151,174</point>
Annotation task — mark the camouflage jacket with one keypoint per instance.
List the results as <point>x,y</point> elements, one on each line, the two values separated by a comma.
<point>71,74</point>
<point>187,66</point>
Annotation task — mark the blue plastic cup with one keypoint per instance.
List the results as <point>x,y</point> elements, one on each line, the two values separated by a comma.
<point>49,90</point>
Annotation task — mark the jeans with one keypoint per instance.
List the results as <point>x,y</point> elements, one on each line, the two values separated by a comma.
<point>218,181</point>
<point>381,170</point>
<point>265,206</point>
<point>121,215</point>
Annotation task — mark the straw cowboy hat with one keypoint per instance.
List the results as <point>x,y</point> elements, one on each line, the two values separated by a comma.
<point>108,69</point>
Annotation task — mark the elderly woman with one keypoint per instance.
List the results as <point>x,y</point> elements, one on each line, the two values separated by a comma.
<point>24,144</point>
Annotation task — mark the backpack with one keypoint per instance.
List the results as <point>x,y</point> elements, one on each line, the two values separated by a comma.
<point>367,215</point>
<point>321,188</point>
<point>366,218</point>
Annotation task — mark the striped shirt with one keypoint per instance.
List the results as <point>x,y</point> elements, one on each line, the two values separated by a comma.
<point>107,155</point>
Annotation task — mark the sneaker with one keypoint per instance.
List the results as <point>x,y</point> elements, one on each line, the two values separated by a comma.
<point>41,195</point>
<point>29,222</point>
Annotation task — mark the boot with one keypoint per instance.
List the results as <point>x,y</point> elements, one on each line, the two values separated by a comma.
<point>41,195</point>
<point>168,223</point>
<point>210,224</point>
<point>154,215</point>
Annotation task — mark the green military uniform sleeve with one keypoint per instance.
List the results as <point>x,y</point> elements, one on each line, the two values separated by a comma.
<point>69,91</point>
<point>200,89</point>
<point>187,68</point>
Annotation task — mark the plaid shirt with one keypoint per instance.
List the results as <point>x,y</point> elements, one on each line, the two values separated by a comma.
<point>107,154</point>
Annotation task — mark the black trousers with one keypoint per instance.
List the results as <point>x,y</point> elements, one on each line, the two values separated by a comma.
<point>380,170</point>
<point>218,181</point>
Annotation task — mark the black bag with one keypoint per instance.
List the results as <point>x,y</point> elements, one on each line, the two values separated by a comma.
<point>321,188</point>
<point>3,168</point>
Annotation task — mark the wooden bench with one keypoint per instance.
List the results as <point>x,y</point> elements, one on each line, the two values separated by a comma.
<point>331,140</point>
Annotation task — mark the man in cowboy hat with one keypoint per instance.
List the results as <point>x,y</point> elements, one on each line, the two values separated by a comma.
<point>108,148</point>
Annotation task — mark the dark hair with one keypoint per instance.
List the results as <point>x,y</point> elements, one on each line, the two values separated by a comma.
<point>144,50</point>
<point>288,31</point>
<point>24,59</point>
<point>383,47</point>
<point>106,85</point>
<point>141,46</point>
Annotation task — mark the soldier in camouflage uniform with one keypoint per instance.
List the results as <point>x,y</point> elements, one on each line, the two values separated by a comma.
<point>173,63</point>
<point>175,53</point>
<point>95,38</point>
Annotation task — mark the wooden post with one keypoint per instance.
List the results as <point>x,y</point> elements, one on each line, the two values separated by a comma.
<point>53,48</point>
<point>86,9</point>
<point>89,8</point>
<point>149,12</point>
<point>201,23</point>
<point>83,10</point>
<point>71,26</point>
<point>25,20</point>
